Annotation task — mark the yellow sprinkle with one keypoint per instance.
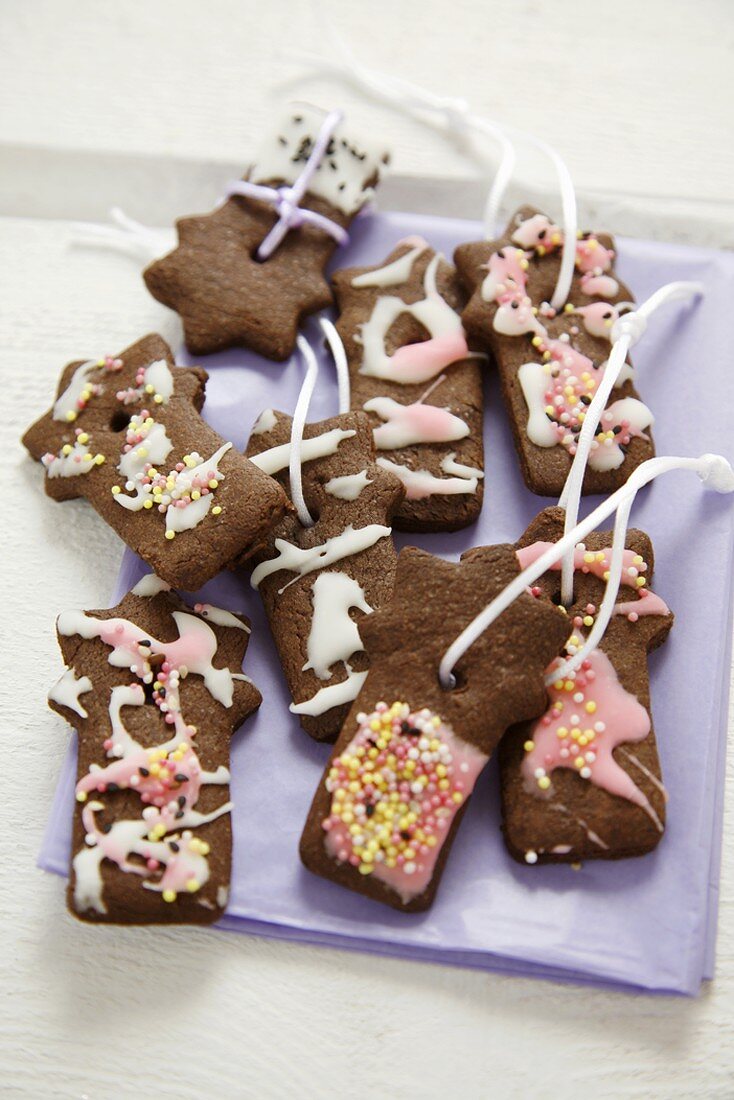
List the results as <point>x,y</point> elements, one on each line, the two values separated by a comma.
<point>169,895</point>
<point>640,582</point>
<point>216,510</point>
<point>81,796</point>
<point>147,503</point>
<point>579,761</point>
<point>83,437</point>
<point>529,746</point>
<point>71,416</point>
<point>116,489</point>
<point>588,620</point>
<point>158,399</point>
<point>170,534</point>
<point>544,783</point>
<point>213,483</point>
<point>590,707</point>
<point>192,886</point>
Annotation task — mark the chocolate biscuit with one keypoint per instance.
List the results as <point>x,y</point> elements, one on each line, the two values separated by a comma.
<point>584,781</point>
<point>388,806</point>
<point>227,294</point>
<point>125,432</point>
<point>549,362</point>
<point>412,371</point>
<point>155,693</point>
<point>318,583</point>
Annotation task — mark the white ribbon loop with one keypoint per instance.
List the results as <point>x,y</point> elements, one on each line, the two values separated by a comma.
<point>627,330</point>
<point>456,116</point>
<point>715,473</point>
<point>339,355</point>
<point>126,235</point>
<point>299,421</point>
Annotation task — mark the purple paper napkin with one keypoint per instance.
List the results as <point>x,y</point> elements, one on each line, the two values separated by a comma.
<point>648,923</point>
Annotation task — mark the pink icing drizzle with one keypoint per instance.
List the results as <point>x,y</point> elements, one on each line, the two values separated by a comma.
<point>632,564</point>
<point>589,716</point>
<point>417,362</point>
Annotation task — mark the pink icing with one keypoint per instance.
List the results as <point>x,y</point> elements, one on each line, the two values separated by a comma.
<point>416,423</point>
<point>589,716</point>
<point>417,362</point>
<point>416,757</point>
<point>647,604</point>
<point>595,562</point>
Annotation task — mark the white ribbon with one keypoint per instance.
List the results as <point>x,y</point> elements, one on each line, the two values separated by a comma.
<point>715,473</point>
<point>627,330</point>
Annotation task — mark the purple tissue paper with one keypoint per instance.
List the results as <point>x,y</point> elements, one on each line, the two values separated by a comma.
<point>647,923</point>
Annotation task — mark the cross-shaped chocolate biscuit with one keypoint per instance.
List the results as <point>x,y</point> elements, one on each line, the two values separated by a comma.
<point>405,764</point>
<point>549,363</point>
<point>584,781</point>
<point>155,692</point>
<point>411,370</point>
<point>318,583</point>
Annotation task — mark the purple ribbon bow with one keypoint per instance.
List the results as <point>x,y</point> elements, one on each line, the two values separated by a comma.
<point>285,200</point>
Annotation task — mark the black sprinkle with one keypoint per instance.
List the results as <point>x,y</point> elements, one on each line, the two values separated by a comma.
<point>113,787</point>
<point>145,641</point>
<point>179,815</point>
<point>298,118</point>
<point>106,828</point>
<point>405,834</point>
<point>369,809</point>
<point>180,777</point>
<point>282,141</point>
<point>174,846</point>
<point>144,772</point>
<point>617,430</point>
<point>541,235</point>
<point>181,800</point>
<point>408,730</point>
<point>342,186</point>
<point>586,399</point>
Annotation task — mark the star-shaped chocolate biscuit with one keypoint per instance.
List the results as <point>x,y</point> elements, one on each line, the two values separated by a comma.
<point>226,294</point>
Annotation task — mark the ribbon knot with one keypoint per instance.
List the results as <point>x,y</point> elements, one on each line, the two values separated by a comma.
<point>285,200</point>
<point>633,325</point>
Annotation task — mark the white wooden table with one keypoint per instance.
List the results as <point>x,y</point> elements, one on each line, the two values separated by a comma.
<point>95,96</point>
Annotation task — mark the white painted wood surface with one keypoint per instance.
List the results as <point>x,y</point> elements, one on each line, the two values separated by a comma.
<point>636,95</point>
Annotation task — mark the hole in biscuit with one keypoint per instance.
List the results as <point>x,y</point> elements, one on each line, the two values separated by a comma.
<point>255,257</point>
<point>120,420</point>
<point>458,682</point>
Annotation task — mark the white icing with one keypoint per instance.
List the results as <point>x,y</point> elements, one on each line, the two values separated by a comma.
<point>534,383</point>
<point>344,169</point>
<point>609,455</point>
<point>79,459</point>
<point>433,312</point>
<point>334,635</point>
<point>333,695</point>
<point>220,616</point>
<point>67,402</point>
<point>159,376</point>
<point>68,688</point>
<point>150,585</point>
<point>420,484</point>
<point>391,274</point>
<point>155,448</point>
<point>417,423</point>
<point>265,422</point>
<point>348,487</point>
<point>276,459</point>
<point>303,560</point>
<point>458,469</point>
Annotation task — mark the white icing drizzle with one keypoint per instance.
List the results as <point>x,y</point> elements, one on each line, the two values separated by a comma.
<point>593,837</point>
<point>639,417</point>
<point>72,459</point>
<point>646,772</point>
<point>150,585</point>
<point>420,484</point>
<point>220,616</point>
<point>333,695</point>
<point>276,459</point>
<point>344,169</point>
<point>433,312</point>
<point>265,422</point>
<point>334,635</point>
<point>68,688</point>
<point>395,273</point>
<point>458,469</point>
<point>154,448</point>
<point>303,560</point>
<point>534,382</point>
<point>67,402</point>
<point>348,487</point>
